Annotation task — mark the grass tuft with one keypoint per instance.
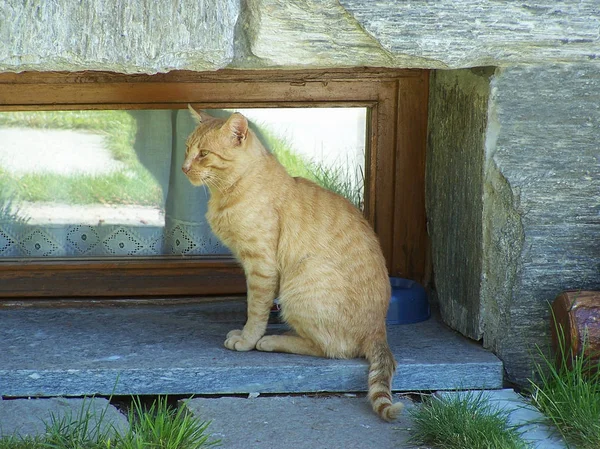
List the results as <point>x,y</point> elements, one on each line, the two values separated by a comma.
<point>464,420</point>
<point>163,427</point>
<point>567,392</point>
<point>158,427</point>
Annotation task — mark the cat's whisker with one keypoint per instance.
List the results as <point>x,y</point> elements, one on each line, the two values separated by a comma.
<point>220,183</point>
<point>214,183</point>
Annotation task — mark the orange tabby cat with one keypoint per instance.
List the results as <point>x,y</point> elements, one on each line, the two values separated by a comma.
<point>300,242</point>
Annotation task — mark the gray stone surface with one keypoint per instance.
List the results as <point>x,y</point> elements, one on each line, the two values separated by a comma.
<point>513,200</point>
<point>307,33</point>
<point>301,422</point>
<point>472,33</point>
<point>458,110</point>
<point>529,421</point>
<point>29,417</point>
<point>179,350</point>
<point>542,202</point>
<point>132,36</point>
<point>149,37</point>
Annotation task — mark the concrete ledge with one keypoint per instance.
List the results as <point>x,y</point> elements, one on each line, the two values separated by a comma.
<point>179,350</point>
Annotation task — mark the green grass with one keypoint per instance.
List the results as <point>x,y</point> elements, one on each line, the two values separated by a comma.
<point>567,392</point>
<point>9,210</point>
<point>21,443</point>
<point>131,185</point>
<point>163,427</point>
<point>159,426</point>
<point>343,180</point>
<point>465,420</point>
<point>120,187</point>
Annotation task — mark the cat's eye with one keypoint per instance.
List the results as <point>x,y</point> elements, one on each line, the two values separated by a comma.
<point>203,153</point>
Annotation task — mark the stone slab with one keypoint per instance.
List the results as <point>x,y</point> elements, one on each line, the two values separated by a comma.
<point>129,37</point>
<point>523,415</point>
<point>29,417</point>
<point>150,37</point>
<point>179,350</point>
<point>301,422</point>
<point>475,33</point>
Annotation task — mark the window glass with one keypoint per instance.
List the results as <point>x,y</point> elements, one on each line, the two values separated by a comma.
<point>109,183</point>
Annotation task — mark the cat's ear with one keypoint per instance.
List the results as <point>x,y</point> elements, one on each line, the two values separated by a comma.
<point>238,125</point>
<point>199,116</point>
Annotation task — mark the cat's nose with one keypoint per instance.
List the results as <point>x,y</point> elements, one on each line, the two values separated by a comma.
<point>185,169</point>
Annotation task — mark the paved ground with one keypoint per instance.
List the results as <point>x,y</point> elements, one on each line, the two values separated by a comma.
<point>26,150</point>
<point>29,417</point>
<point>300,422</point>
<point>273,422</point>
<point>90,215</point>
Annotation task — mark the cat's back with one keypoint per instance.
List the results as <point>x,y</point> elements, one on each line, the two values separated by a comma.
<point>316,222</point>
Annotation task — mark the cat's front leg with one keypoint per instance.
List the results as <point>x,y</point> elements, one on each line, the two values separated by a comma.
<point>262,285</point>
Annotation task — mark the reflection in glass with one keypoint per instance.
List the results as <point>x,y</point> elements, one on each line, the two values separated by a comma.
<point>109,183</point>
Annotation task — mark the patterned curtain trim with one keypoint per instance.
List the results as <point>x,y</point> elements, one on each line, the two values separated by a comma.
<point>176,238</point>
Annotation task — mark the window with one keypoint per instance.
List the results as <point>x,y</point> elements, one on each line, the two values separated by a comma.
<point>115,218</point>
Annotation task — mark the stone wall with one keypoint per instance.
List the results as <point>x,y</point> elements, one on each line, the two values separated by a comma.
<point>454,191</point>
<point>513,199</point>
<point>138,36</point>
<point>513,180</point>
<point>541,227</point>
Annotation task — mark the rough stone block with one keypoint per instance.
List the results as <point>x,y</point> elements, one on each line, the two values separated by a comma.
<point>542,196</point>
<point>129,37</point>
<point>149,37</point>
<point>532,225</point>
<point>474,33</point>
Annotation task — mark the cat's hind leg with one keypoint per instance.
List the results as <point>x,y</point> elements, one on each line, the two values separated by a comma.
<point>290,343</point>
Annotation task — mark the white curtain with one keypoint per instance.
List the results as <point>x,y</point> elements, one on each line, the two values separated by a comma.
<point>160,148</point>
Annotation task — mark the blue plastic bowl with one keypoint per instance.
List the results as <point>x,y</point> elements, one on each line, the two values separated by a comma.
<point>408,304</point>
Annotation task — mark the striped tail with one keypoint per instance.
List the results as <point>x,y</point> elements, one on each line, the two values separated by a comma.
<point>381,371</point>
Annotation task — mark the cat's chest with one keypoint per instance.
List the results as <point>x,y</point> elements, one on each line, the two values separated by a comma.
<point>225,223</point>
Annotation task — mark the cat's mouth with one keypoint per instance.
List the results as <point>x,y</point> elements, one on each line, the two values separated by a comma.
<point>195,178</point>
<point>196,181</point>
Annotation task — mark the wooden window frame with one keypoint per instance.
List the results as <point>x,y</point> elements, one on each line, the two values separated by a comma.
<point>394,185</point>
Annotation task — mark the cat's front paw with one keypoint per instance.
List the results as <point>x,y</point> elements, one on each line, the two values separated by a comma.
<point>235,332</point>
<point>236,342</point>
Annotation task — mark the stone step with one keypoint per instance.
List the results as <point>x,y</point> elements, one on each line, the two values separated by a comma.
<point>179,350</point>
